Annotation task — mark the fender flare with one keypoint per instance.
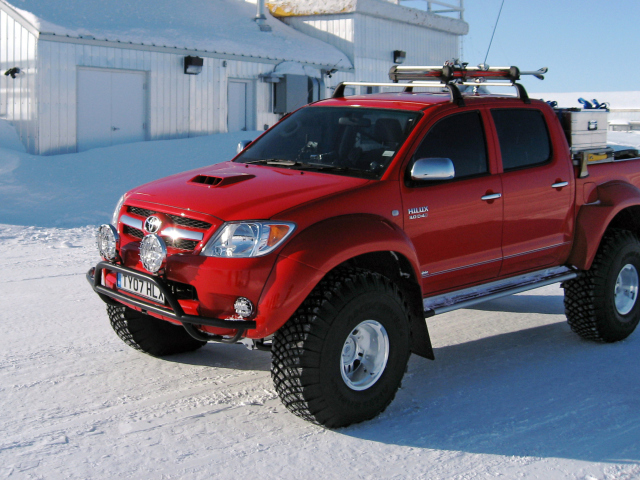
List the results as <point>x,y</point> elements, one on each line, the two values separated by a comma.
<point>318,249</point>
<point>593,220</point>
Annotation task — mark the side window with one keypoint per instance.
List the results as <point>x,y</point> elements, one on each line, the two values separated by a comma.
<point>459,137</point>
<point>524,139</point>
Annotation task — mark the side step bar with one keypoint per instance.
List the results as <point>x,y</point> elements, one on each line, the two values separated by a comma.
<point>501,288</point>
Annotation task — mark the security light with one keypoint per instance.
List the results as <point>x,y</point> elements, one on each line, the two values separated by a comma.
<point>193,65</point>
<point>399,56</point>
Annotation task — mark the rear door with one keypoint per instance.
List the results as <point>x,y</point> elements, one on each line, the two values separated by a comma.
<point>537,191</point>
<point>456,226</point>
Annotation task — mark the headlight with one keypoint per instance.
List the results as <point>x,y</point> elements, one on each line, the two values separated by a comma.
<point>153,252</point>
<point>248,239</point>
<point>107,239</point>
<point>116,212</point>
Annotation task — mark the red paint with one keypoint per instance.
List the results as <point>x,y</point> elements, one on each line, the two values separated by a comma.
<point>462,241</point>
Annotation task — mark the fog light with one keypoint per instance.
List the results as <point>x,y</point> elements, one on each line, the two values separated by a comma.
<point>244,307</point>
<point>107,239</point>
<point>153,252</point>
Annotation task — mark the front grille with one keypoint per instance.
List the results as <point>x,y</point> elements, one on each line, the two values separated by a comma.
<point>143,212</point>
<point>180,243</point>
<point>133,232</point>
<point>178,220</point>
<point>189,222</point>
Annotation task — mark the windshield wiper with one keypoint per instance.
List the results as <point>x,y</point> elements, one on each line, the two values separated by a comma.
<point>273,161</point>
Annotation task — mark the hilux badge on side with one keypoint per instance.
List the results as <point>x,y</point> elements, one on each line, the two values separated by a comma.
<point>419,212</point>
<point>152,224</point>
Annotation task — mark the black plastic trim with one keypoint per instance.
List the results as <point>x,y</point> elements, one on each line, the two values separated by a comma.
<point>174,311</point>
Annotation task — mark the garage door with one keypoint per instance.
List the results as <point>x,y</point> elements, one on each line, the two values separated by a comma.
<point>111,108</point>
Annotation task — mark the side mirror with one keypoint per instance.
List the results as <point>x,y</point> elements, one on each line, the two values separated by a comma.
<point>432,169</point>
<point>242,145</point>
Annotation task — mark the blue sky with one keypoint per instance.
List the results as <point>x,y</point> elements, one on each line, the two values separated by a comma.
<point>588,45</point>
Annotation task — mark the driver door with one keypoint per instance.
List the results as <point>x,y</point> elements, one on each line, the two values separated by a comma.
<point>456,225</point>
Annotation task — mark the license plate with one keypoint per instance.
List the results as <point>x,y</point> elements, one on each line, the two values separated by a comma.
<point>139,287</point>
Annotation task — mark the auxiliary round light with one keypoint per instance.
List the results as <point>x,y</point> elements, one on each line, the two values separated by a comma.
<point>244,307</point>
<point>153,252</point>
<point>107,239</point>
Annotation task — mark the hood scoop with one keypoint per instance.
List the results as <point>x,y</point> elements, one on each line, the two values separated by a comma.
<point>219,181</point>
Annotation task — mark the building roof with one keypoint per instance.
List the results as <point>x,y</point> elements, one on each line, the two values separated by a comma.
<point>216,26</point>
<point>376,8</point>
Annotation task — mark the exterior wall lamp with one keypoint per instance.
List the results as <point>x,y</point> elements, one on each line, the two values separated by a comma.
<point>399,56</point>
<point>193,65</point>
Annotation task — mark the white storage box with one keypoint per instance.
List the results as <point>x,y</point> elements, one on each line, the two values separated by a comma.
<point>585,129</point>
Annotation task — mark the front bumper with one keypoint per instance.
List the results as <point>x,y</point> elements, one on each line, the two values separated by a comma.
<point>174,310</point>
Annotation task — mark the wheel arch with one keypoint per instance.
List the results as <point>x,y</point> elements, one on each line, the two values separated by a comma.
<point>364,241</point>
<point>618,206</point>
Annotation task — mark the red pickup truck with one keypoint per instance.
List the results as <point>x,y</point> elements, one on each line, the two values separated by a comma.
<point>331,237</point>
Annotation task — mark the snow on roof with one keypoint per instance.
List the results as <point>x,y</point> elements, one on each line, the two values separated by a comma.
<point>217,26</point>
<point>377,8</point>
<point>616,100</point>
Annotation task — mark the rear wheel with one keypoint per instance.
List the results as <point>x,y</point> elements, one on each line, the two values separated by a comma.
<point>148,334</point>
<point>341,358</point>
<point>603,303</point>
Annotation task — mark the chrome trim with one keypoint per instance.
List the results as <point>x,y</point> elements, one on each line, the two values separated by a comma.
<point>432,169</point>
<point>495,260</point>
<point>462,268</point>
<point>559,184</point>
<point>536,250</point>
<point>180,233</point>
<point>500,288</point>
<point>131,222</point>
<point>493,196</point>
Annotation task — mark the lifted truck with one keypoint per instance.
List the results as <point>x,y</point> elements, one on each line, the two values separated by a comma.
<point>330,238</point>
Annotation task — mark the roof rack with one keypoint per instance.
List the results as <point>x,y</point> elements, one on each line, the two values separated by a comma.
<point>450,76</point>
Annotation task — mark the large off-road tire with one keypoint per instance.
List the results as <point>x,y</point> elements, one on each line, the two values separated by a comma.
<point>341,357</point>
<point>602,304</point>
<point>150,335</point>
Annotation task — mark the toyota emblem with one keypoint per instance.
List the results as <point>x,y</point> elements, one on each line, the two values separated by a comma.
<point>152,224</point>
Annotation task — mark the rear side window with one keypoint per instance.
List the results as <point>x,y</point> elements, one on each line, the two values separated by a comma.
<point>459,137</point>
<point>524,139</point>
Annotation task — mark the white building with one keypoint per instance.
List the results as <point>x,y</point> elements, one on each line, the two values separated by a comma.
<point>83,74</point>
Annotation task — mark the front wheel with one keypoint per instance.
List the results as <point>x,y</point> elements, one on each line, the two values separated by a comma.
<point>603,303</point>
<point>341,358</point>
<point>150,335</point>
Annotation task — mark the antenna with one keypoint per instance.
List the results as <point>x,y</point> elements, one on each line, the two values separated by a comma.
<point>494,32</point>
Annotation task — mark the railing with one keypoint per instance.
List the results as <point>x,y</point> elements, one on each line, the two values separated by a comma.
<point>455,7</point>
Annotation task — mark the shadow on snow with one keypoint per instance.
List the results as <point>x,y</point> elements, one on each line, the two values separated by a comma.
<point>541,392</point>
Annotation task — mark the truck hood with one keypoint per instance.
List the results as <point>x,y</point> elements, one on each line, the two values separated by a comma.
<point>236,191</point>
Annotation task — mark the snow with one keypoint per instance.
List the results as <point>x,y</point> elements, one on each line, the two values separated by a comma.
<point>513,393</point>
<point>221,26</point>
<point>9,138</point>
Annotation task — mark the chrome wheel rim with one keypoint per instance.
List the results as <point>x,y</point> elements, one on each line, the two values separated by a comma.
<point>364,355</point>
<point>626,290</point>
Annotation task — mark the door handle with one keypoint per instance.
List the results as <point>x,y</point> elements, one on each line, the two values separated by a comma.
<point>559,184</point>
<point>492,196</point>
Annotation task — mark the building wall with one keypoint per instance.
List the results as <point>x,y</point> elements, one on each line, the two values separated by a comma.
<point>336,30</point>
<point>18,97</point>
<point>376,39</point>
<point>178,105</point>
<point>369,42</point>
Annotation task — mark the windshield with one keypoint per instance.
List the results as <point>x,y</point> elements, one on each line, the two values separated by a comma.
<point>344,140</point>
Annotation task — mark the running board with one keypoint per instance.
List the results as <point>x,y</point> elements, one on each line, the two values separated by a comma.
<point>501,288</point>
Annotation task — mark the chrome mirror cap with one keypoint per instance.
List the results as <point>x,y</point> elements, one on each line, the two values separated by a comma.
<point>432,169</point>
<point>242,144</point>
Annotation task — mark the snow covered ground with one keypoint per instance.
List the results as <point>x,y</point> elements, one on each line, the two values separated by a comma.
<point>513,393</point>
